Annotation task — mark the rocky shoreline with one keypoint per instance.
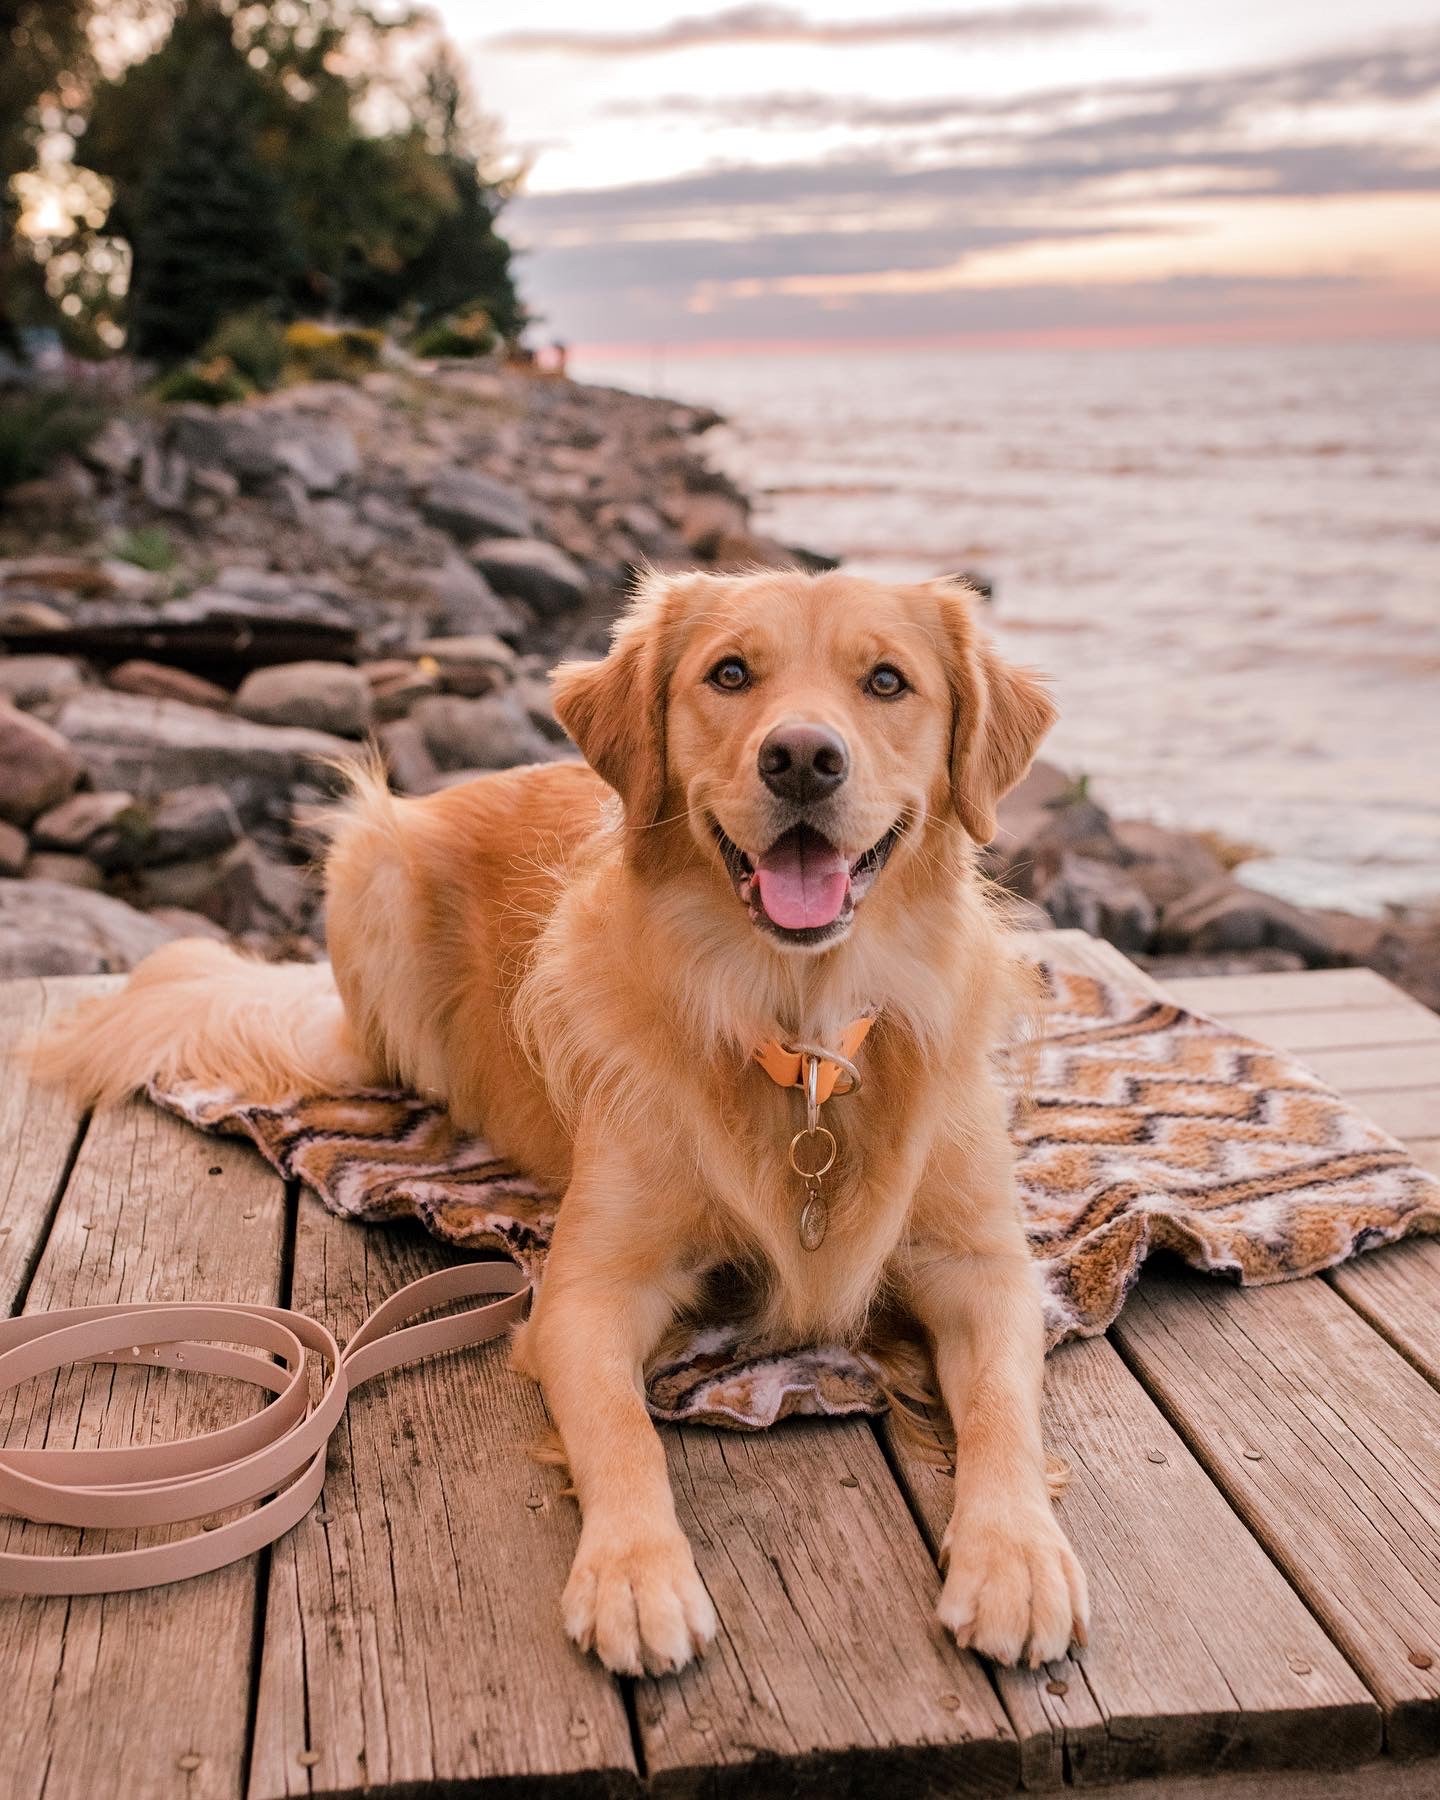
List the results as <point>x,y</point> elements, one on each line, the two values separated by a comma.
<point>210,609</point>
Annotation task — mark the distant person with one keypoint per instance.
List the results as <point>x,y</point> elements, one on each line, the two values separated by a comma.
<point>560,357</point>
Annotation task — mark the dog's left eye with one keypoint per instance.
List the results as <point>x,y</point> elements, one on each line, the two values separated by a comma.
<point>885,682</point>
<point>730,674</point>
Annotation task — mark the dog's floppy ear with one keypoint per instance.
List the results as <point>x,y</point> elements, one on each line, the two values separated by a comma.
<point>1001,714</point>
<point>615,711</point>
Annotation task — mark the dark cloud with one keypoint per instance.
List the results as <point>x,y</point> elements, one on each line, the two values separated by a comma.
<point>785,25</point>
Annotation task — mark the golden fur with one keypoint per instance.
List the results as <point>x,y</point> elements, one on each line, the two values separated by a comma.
<point>562,954</point>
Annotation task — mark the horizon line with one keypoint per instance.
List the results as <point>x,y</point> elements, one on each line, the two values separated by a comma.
<point>1092,337</point>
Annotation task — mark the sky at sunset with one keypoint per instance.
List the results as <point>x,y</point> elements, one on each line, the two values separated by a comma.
<point>1055,171</point>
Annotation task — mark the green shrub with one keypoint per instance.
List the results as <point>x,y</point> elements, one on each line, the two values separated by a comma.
<point>148,547</point>
<point>38,426</point>
<point>213,383</point>
<point>319,352</point>
<point>254,343</point>
<point>463,334</point>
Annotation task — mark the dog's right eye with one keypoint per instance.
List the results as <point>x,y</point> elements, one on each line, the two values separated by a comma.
<point>729,674</point>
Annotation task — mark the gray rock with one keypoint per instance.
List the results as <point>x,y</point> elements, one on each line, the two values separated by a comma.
<point>263,444</point>
<point>47,928</point>
<point>188,924</point>
<point>72,871</point>
<point>81,577</point>
<point>322,696</point>
<point>30,681</point>
<point>14,848</point>
<point>160,682</point>
<point>1098,898</point>
<point>535,695</point>
<point>336,523</point>
<point>1224,917</point>
<point>38,767</point>
<point>470,505</point>
<point>246,889</point>
<point>493,732</point>
<point>150,746</point>
<point>164,478</point>
<point>180,826</point>
<point>116,448</point>
<point>464,602</point>
<point>21,617</point>
<point>470,665</point>
<point>395,686</point>
<point>412,768</point>
<point>527,569</point>
<point>321,455</point>
<point>1167,865</point>
<point>78,821</point>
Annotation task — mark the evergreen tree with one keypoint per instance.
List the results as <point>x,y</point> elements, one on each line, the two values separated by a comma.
<point>213,232</point>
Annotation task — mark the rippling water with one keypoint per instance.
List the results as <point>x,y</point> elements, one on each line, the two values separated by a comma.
<point>1228,559</point>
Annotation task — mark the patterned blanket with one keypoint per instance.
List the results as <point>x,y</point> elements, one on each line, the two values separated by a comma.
<point>1144,1127</point>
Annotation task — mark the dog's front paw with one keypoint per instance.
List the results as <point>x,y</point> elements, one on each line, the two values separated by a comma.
<point>1012,1585</point>
<point>638,1602</point>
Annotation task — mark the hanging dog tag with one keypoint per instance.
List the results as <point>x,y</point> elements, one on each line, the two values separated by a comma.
<point>812,1156</point>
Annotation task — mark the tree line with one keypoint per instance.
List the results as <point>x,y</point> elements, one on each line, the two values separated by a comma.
<point>297,158</point>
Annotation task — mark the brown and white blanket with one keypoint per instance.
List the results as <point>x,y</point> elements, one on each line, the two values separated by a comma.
<point>1145,1128</point>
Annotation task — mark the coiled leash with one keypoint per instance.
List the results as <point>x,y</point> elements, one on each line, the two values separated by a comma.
<point>278,1452</point>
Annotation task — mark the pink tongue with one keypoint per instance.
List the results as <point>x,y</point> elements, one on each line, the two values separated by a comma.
<point>803,881</point>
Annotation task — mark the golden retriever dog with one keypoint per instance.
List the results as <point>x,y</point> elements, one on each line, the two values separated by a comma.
<point>772,846</point>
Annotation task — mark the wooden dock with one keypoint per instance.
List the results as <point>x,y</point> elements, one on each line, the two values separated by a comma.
<point>1255,1494</point>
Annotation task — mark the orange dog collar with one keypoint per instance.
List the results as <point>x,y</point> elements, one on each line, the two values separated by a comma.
<point>786,1066</point>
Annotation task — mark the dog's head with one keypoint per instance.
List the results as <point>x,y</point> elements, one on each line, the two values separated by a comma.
<point>806,729</point>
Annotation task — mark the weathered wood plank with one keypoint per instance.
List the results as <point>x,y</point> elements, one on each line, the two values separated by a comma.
<point>1337,1028</point>
<point>1404,1112</point>
<point>1327,1443</point>
<point>1360,1071</point>
<point>39,1127</point>
<point>1177,1677</point>
<point>1398,1291</point>
<point>1313,990</point>
<point>828,1656</point>
<point>120,1693</point>
<point>412,1623</point>
<point>1426,1152</point>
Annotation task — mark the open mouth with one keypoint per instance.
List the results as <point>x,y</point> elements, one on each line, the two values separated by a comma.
<point>803,889</point>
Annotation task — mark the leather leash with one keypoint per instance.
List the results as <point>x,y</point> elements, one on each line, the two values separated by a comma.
<point>279,1451</point>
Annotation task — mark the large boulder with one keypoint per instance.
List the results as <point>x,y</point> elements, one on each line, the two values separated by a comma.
<point>322,696</point>
<point>151,746</point>
<point>470,505</point>
<point>1098,898</point>
<point>1225,917</point>
<point>493,732</point>
<point>50,928</point>
<point>38,767</point>
<point>258,445</point>
<point>1166,864</point>
<point>528,569</point>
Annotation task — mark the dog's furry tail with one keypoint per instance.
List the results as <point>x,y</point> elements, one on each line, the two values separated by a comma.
<point>197,1010</point>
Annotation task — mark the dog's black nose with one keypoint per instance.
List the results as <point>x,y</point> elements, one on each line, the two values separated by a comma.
<point>803,762</point>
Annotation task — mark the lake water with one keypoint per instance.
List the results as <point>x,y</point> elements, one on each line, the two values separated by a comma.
<point>1228,560</point>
